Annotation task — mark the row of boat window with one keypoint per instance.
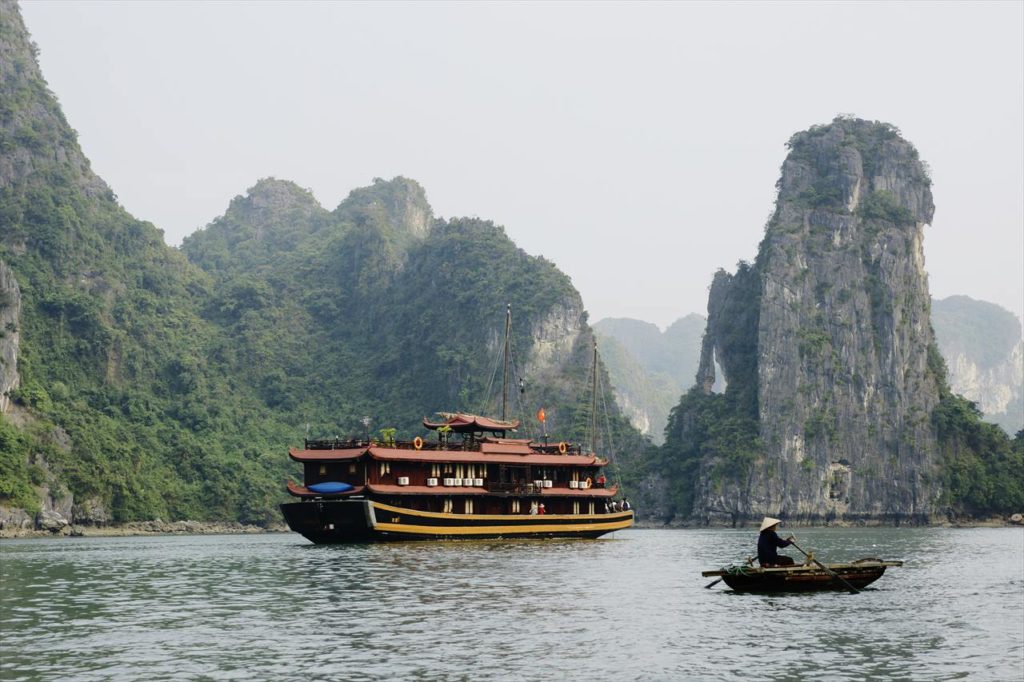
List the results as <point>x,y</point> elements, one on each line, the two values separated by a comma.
<point>515,507</point>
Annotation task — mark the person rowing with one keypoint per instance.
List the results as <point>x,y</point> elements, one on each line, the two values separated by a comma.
<point>768,543</point>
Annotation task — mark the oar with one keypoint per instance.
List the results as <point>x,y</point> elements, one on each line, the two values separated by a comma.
<point>712,584</point>
<point>851,588</point>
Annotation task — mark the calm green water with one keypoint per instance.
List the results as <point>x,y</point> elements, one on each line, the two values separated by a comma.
<point>628,607</point>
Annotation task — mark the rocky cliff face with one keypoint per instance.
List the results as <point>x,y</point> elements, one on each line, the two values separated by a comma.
<point>10,337</point>
<point>826,339</point>
<point>983,346</point>
<point>34,134</point>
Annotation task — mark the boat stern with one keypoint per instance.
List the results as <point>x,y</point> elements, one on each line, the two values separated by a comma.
<point>331,521</point>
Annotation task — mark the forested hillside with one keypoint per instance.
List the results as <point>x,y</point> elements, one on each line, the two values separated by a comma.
<point>150,382</point>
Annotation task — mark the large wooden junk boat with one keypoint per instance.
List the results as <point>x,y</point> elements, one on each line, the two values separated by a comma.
<point>467,479</point>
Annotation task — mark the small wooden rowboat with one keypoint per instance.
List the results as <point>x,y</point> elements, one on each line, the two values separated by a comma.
<point>807,577</point>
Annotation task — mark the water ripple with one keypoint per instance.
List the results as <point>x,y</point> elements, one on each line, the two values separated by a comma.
<point>630,607</point>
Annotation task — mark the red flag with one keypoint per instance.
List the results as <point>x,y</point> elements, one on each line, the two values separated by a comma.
<point>540,414</point>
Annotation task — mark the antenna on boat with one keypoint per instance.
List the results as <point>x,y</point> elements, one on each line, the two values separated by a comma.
<point>593,403</point>
<point>504,381</point>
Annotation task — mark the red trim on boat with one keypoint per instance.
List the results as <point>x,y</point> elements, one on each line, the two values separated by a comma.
<point>386,489</point>
<point>505,449</point>
<point>395,454</point>
<point>580,492</point>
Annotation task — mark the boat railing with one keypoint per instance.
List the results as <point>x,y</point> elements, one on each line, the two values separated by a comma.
<point>421,444</point>
<point>467,445</point>
<point>514,487</point>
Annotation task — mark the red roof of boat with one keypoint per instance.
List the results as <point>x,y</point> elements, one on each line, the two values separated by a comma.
<point>461,423</point>
<point>384,489</point>
<point>484,456</point>
<point>325,455</point>
<point>505,449</point>
<point>580,492</point>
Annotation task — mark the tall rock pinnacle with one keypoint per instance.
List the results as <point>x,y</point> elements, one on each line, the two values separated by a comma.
<point>826,340</point>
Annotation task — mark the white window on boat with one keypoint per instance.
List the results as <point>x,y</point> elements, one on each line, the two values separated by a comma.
<point>459,471</point>
<point>470,471</point>
<point>591,506</point>
<point>435,471</point>
<point>575,507</point>
<point>469,506</point>
<point>323,469</point>
<point>515,506</point>
<point>447,505</point>
<point>352,468</point>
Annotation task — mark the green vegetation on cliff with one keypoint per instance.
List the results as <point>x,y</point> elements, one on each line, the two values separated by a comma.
<point>163,383</point>
<point>983,467</point>
<point>713,437</point>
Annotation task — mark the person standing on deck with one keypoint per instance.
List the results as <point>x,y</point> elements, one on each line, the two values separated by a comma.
<point>769,542</point>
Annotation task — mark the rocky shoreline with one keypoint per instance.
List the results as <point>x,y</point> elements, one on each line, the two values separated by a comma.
<point>992,522</point>
<point>143,528</point>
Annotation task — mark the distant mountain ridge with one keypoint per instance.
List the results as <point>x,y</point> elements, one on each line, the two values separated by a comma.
<point>649,368</point>
<point>982,344</point>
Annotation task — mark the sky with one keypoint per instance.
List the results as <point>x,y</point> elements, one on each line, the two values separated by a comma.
<point>635,145</point>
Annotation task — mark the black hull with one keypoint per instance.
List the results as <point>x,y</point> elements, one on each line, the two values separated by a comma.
<point>803,580</point>
<point>353,521</point>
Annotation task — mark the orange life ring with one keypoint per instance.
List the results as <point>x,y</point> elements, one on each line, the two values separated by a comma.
<point>588,482</point>
<point>417,443</point>
<point>562,447</point>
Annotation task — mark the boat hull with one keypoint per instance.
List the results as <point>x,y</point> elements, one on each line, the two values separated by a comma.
<point>364,520</point>
<point>803,578</point>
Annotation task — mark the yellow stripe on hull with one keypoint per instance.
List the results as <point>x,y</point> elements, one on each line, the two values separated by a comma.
<point>620,517</point>
<point>503,530</point>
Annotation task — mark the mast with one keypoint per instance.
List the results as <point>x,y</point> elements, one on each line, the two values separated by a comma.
<point>504,380</point>
<point>593,403</point>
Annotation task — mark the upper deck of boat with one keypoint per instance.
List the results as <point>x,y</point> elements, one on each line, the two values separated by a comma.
<point>485,450</point>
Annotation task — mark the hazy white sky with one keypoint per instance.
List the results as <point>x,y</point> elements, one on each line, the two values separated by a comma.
<point>635,145</point>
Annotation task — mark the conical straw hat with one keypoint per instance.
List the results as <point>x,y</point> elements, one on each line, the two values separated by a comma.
<point>769,522</point>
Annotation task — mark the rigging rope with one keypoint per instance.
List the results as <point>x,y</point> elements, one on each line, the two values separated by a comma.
<point>485,405</point>
<point>612,460</point>
<point>519,401</point>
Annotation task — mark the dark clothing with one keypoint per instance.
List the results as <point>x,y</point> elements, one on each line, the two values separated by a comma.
<point>766,547</point>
